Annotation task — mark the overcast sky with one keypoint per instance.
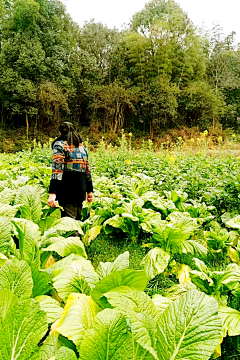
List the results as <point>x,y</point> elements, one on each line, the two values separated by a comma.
<point>117,12</point>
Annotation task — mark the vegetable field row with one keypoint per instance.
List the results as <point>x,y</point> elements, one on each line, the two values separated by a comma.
<point>183,211</point>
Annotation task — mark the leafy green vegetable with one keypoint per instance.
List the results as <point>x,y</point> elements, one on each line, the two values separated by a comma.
<point>30,200</point>
<point>29,236</point>
<point>189,328</point>
<point>51,307</point>
<point>108,339</point>
<point>120,263</point>
<point>5,235</point>
<point>22,327</point>
<point>78,317</point>
<point>16,276</point>
<point>155,262</point>
<point>140,312</point>
<point>65,354</point>
<point>67,246</point>
<point>134,279</point>
<point>231,320</point>
<point>80,277</point>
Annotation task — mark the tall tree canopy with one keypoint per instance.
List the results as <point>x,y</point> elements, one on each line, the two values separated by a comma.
<point>159,72</point>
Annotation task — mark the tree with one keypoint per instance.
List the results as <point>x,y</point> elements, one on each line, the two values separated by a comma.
<point>36,38</point>
<point>100,42</point>
<point>159,104</point>
<point>199,104</point>
<point>112,102</point>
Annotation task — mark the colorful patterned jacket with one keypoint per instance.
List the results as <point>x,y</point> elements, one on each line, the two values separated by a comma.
<point>70,168</point>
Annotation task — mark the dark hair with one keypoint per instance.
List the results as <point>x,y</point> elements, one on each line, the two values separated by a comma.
<point>69,133</point>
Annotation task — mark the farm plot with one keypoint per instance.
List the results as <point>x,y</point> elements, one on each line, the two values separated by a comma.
<point>179,301</point>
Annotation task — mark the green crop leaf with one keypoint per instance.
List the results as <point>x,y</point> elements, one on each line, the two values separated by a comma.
<point>51,307</point>
<point>161,302</point>
<point>115,222</point>
<point>67,246</point>
<point>155,262</point>
<point>3,259</point>
<point>7,196</point>
<point>234,223</point>
<point>21,329</point>
<point>171,236</point>
<point>120,263</point>
<point>230,320</point>
<point>5,235</point>
<point>201,265</point>
<point>78,316</point>
<point>92,234</point>
<point>80,277</point>
<point>65,263</point>
<point>231,276</point>
<point>41,281</point>
<point>16,276</point>
<point>141,313</point>
<point>29,197</point>
<point>63,226</point>
<point>193,247</point>
<point>47,350</point>
<point>29,237</point>
<point>189,328</point>
<point>65,354</point>
<point>109,338</point>
<point>202,281</point>
<point>134,279</point>
<point>8,210</point>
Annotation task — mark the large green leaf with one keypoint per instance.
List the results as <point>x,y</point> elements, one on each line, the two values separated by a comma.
<point>169,237</point>
<point>155,262</point>
<point>91,234</point>
<point>79,276</point>
<point>230,277</point>
<point>21,329</point>
<point>108,339</point>
<point>67,246</point>
<point>202,281</point>
<point>16,276</point>
<point>8,210</point>
<point>63,226</point>
<point>78,316</point>
<point>7,196</point>
<point>189,328</point>
<point>29,197</point>
<point>41,281</point>
<point>141,313</point>
<point>134,279</point>
<point>65,354</point>
<point>64,263</point>
<point>230,319</point>
<point>29,237</point>
<point>234,223</point>
<point>120,263</point>
<point>161,302</point>
<point>193,247</point>
<point>47,350</point>
<point>5,235</point>
<point>51,307</point>
<point>116,222</point>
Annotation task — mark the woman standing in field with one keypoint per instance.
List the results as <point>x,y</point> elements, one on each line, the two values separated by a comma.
<point>71,181</point>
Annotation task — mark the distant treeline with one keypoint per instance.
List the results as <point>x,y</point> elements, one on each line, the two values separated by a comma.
<point>159,73</point>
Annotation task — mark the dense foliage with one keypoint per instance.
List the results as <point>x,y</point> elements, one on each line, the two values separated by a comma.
<point>180,301</point>
<point>160,72</point>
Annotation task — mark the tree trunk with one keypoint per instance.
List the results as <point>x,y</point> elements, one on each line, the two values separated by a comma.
<point>27,125</point>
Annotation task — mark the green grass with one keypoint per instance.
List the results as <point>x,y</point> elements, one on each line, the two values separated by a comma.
<point>106,249</point>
